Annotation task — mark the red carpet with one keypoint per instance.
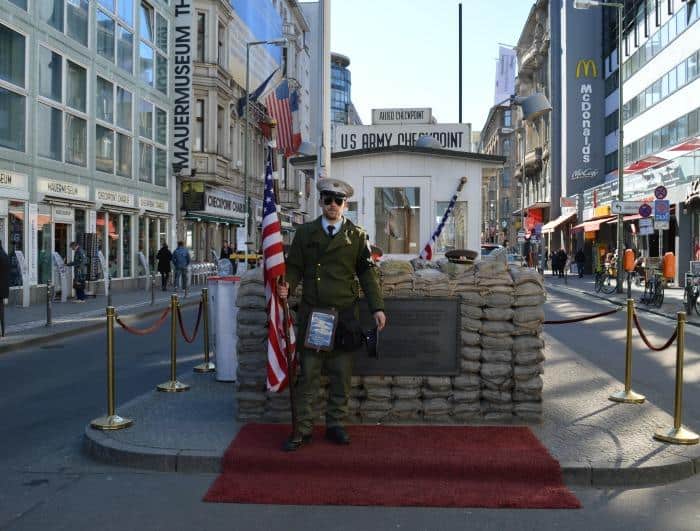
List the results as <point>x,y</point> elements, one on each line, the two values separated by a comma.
<point>422,466</point>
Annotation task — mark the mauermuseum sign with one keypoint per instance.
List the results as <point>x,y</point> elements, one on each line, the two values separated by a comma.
<point>455,137</point>
<point>423,339</point>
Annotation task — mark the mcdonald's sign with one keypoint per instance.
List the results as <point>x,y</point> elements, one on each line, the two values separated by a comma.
<point>586,68</point>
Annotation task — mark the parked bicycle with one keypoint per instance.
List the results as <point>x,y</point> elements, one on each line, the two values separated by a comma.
<point>654,289</point>
<point>691,294</point>
<point>606,279</point>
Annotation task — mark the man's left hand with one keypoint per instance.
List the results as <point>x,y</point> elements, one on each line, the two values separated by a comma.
<point>380,320</point>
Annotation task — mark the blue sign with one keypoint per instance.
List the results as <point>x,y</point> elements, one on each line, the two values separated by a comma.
<point>660,192</point>
<point>645,210</point>
<point>662,214</point>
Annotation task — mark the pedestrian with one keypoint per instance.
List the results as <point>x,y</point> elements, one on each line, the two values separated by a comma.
<point>4,285</point>
<point>580,259</point>
<point>561,259</point>
<point>79,265</point>
<point>181,261</point>
<point>226,251</point>
<point>554,259</point>
<point>164,257</point>
<point>330,254</point>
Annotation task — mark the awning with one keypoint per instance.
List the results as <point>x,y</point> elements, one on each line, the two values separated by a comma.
<point>631,217</point>
<point>592,225</point>
<point>538,204</point>
<point>196,216</point>
<point>551,225</point>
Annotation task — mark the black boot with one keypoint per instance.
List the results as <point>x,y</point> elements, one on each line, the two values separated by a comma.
<point>338,435</point>
<point>295,442</point>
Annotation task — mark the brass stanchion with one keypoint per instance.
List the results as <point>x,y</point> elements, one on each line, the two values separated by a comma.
<point>679,434</point>
<point>628,396</point>
<point>112,421</point>
<point>207,366</point>
<point>173,386</point>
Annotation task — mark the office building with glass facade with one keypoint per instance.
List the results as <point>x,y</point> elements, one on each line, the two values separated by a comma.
<point>85,110</point>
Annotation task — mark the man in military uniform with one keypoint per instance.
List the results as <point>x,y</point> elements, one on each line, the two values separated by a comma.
<point>330,255</point>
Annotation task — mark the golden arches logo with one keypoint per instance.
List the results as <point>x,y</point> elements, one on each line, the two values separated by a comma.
<point>587,68</point>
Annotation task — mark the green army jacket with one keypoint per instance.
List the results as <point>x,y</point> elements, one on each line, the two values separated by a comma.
<point>331,267</point>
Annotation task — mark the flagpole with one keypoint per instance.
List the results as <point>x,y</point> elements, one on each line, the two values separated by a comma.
<point>291,367</point>
<point>448,211</point>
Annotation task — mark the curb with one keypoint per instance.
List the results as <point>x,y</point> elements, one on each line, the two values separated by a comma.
<point>618,303</point>
<point>76,330</point>
<point>99,446</point>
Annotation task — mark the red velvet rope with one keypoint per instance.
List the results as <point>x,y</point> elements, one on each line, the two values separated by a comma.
<point>646,340</point>
<point>196,325</point>
<point>584,318</point>
<point>145,331</point>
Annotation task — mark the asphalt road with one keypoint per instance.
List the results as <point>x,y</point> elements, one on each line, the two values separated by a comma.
<point>49,394</point>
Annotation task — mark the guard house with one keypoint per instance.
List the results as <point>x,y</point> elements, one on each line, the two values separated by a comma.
<point>402,192</point>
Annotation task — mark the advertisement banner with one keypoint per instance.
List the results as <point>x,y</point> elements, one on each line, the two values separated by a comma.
<point>505,74</point>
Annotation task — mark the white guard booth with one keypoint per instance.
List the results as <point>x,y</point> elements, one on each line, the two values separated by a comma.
<point>223,312</point>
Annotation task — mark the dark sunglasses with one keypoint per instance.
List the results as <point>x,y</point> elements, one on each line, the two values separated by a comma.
<point>328,199</point>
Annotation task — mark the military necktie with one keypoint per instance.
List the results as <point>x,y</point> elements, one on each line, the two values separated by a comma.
<point>331,230</point>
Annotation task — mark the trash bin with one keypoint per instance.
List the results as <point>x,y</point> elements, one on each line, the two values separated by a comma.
<point>223,313</point>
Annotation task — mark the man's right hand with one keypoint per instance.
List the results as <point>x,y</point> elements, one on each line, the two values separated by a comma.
<point>283,290</point>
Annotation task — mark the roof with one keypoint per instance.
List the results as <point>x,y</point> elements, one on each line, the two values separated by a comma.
<point>478,157</point>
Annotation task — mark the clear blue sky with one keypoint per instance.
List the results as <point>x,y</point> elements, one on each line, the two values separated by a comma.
<point>404,53</point>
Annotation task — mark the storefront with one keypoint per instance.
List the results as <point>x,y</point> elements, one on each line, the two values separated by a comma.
<point>14,195</point>
<point>153,230</point>
<point>211,217</point>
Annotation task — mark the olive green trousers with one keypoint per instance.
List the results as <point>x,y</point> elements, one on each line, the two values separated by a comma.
<point>338,367</point>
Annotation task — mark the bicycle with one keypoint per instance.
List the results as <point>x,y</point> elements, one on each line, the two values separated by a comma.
<point>691,293</point>
<point>606,279</point>
<point>654,290</point>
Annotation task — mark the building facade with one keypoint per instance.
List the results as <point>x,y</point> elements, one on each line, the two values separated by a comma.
<point>85,112</point>
<point>342,109</point>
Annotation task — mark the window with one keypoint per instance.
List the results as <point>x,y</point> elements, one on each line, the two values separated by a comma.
<point>221,47</point>
<point>146,119</point>
<point>77,20</point>
<point>112,130</point>
<point>20,3</point>
<point>105,35</point>
<point>220,130</point>
<point>123,155</point>
<point>146,21</point>
<point>104,102</point>
<point>125,49</point>
<point>145,162</point>
<point>51,12</point>
<point>12,89</point>
<point>454,233</point>
<point>50,74</point>
<point>146,63</point>
<point>161,126</point>
<point>397,219</point>
<point>126,11</point>
<point>153,47</point>
<point>200,37</point>
<point>124,99</point>
<point>50,135</point>
<point>198,144</point>
<point>104,149</point>
<point>508,118</point>
<point>76,86</point>
<point>153,155</point>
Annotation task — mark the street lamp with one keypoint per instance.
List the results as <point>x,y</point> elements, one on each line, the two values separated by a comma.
<point>586,4</point>
<point>246,198</point>
<point>533,106</point>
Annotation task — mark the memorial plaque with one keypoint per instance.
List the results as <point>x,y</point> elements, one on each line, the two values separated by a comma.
<point>421,338</point>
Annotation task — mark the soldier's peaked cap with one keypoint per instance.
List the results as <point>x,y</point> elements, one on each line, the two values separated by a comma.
<point>337,187</point>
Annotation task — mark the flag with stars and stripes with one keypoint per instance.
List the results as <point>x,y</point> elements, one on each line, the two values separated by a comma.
<point>279,326</point>
<point>283,105</point>
<point>427,252</point>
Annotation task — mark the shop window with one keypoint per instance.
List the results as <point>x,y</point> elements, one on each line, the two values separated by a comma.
<point>152,241</point>
<point>126,245</point>
<point>114,244</point>
<point>15,236</point>
<point>44,258</point>
<point>143,243</point>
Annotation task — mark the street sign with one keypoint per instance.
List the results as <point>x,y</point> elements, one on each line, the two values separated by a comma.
<point>660,192</point>
<point>645,227</point>
<point>625,207</point>
<point>645,210</point>
<point>662,214</point>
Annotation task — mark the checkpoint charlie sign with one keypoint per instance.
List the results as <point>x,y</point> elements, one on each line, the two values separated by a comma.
<point>402,116</point>
<point>455,137</point>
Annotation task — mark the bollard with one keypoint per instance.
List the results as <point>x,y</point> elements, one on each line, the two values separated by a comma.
<point>173,386</point>
<point>109,290</point>
<point>679,434</point>
<point>629,285</point>
<point>628,396</point>
<point>49,300</point>
<point>153,289</point>
<point>112,421</point>
<point>207,366</point>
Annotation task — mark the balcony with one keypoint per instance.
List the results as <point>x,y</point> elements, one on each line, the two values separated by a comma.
<point>289,198</point>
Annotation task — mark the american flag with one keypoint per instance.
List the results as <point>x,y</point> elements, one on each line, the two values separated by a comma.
<point>282,104</point>
<point>427,252</point>
<point>273,268</point>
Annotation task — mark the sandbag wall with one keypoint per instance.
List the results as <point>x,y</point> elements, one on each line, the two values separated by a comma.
<point>501,351</point>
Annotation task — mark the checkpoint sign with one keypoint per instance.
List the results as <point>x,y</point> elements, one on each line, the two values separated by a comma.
<point>645,210</point>
<point>662,214</point>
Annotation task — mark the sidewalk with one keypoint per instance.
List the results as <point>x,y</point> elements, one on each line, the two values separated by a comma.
<point>597,442</point>
<point>27,326</point>
<point>673,295</point>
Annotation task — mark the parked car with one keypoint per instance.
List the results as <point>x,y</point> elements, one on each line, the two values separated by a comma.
<point>488,248</point>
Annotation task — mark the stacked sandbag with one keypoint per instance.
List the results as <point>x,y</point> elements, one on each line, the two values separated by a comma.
<point>437,392</point>
<point>466,395</point>
<point>376,406</point>
<point>431,283</point>
<point>251,323</point>
<point>396,277</point>
<point>407,403</point>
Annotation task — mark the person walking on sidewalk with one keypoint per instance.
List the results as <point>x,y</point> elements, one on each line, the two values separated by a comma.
<point>580,259</point>
<point>181,261</point>
<point>79,265</point>
<point>4,285</point>
<point>561,261</point>
<point>164,257</point>
<point>330,255</point>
